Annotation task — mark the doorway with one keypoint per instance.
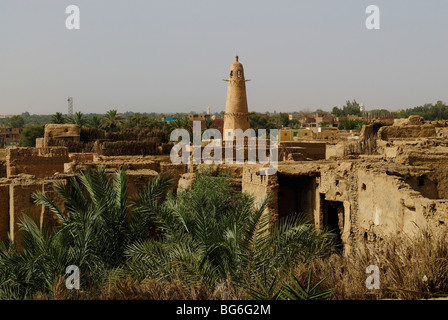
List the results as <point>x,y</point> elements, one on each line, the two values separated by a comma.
<point>333,220</point>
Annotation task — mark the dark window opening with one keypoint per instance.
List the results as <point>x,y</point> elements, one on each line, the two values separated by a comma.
<point>363,187</point>
<point>333,220</point>
<point>296,195</point>
<point>421,182</point>
<point>231,74</point>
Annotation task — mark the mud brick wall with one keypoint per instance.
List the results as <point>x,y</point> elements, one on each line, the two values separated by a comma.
<point>4,212</point>
<point>260,187</point>
<point>40,162</point>
<point>2,168</point>
<point>312,150</point>
<point>47,217</point>
<point>21,203</point>
<point>412,131</point>
<point>175,170</point>
<point>138,180</point>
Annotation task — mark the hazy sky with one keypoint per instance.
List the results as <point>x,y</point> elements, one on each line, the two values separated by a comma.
<point>171,56</point>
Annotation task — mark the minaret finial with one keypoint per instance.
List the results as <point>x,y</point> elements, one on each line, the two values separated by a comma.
<point>236,58</point>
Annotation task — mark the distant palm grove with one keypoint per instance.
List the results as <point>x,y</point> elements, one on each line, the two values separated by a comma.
<point>114,121</point>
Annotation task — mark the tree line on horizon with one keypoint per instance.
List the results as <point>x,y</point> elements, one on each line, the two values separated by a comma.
<point>113,121</point>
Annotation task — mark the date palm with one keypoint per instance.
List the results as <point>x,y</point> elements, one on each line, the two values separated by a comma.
<point>94,122</point>
<point>112,121</point>
<point>96,226</point>
<point>58,118</point>
<point>79,119</point>
<point>210,233</point>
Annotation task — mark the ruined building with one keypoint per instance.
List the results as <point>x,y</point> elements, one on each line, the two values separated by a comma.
<point>391,180</point>
<point>236,115</point>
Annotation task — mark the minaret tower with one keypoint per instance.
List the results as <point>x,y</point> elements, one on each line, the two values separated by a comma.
<point>237,114</point>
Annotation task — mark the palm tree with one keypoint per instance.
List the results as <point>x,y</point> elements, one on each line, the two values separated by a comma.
<point>204,234</point>
<point>58,118</point>
<point>34,268</point>
<point>79,119</point>
<point>96,226</point>
<point>111,121</point>
<point>94,122</point>
<point>209,233</point>
<point>208,125</point>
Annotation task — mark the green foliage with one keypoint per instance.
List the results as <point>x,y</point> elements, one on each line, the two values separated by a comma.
<point>297,291</point>
<point>378,113</point>
<point>208,233</point>
<point>112,121</point>
<point>350,108</point>
<point>79,119</point>
<point>95,229</point>
<point>266,290</point>
<point>292,290</point>
<point>29,135</point>
<point>184,123</point>
<point>401,115</point>
<point>295,124</point>
<point>24,272</point>
<point>430,112</point>
<point>94,122</point>
<point>141,121</point>
<point>258,121</point>
<point>16,122</point>
<point>284,119</point>
<point>352,124</point>
<point>205,234</point>
<point>58,118</point>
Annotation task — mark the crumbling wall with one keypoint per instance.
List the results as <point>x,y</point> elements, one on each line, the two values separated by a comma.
<point>335,151</point>
<point>406,132</point>
<point>138,181</point>
<point>174,170</point>
<point>309,150</point>
<point>439,163</point>
<point>58,132</point>
<point>260,187</point>
<point>40,162</point>
<point>4,211</point>
<point>336,185</point>
<point>147,141</point>
<point>21,202</point>
<point>387,206</point>
<point>3,169</point>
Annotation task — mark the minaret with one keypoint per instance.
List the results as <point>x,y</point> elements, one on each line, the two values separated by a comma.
<point>237,114</point>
